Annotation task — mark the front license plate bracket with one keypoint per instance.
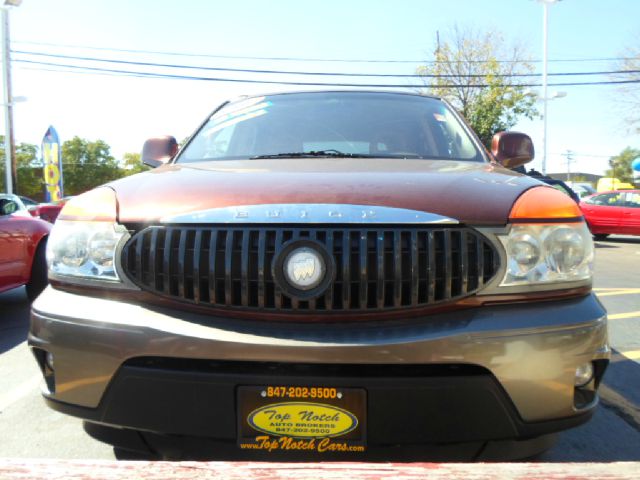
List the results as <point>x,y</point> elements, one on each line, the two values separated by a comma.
<point>310,418</point>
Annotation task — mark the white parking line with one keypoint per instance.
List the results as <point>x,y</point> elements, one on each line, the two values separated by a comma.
<point>16,394</point>
<point>616,316</point>
<point>623,356</point>
<point>608,292</point>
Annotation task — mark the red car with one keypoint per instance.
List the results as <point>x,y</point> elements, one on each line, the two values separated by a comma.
<point>22,247</point>
<point>45,211</point>
<point>616,212</point>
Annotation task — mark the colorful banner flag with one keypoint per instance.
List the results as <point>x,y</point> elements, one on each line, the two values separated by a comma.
<point>52,158</point>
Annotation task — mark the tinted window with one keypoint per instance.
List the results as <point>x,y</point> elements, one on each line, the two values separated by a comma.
<point>7,207</point>
<point>360,123</point>
<point>632,200</point>
<point>606,199</point>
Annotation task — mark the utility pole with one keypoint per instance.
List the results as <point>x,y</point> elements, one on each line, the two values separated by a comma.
<point>569,159</point>
<point>545,93</point>
<point>9,143</point>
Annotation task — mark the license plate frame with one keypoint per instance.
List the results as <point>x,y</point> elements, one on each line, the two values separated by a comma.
<point>301,418</point>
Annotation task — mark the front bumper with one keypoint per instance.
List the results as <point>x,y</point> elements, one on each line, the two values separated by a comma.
<point>492,372</point>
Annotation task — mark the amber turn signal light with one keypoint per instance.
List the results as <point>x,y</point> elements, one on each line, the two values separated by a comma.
<point>97,205</point>
<point>544,203</point>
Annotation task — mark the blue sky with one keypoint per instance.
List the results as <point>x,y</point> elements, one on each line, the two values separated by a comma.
<point>125,110</point>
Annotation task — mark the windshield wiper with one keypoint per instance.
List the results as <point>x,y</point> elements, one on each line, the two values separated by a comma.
<point>314,153</point>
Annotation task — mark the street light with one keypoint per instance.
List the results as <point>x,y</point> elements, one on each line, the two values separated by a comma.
<point>545,5</point>
<point>10,170</point>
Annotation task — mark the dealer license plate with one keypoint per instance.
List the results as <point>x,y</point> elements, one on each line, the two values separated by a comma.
<point>278,418</point>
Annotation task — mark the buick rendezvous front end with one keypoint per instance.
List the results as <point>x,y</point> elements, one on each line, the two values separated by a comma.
<point>324,274</point>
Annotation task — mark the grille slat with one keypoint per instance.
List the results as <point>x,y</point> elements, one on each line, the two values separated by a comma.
<point>153,258</point>
<point>376,269</point>
<point>244,275</point>
<point>197,258</point>
<point>262,255</point>
<point>328,298</point>
<point>139,255</point>
<point>213,249</point>
<point>182,257</point>
<point>363,283</point>
<point>278,292</point>
<point>464,263</point>
<point>380,286</point>
<point>415,269</point>
<point>166,261</point>
<point>346,269</point>
<point>397,263</point>
<point>447,263</point>
<point>431,267</point>
<point>228,266</point>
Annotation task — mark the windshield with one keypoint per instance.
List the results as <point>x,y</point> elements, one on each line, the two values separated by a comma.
<point>332,124</point>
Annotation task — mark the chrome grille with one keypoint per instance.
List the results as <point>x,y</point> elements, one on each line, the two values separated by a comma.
<point>376,268</point>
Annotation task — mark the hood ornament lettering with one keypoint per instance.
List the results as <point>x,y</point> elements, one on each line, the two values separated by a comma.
<point>310,213</point>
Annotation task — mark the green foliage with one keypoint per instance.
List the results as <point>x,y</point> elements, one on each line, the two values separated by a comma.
<point>469,59</point>
<point>30,172</point>
<point>30,176</point>
<point>621,165</point>
<point>87,164</point>
<point>132,164</point>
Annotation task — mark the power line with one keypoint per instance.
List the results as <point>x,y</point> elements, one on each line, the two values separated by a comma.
<point>301,59</point>
<point>307,73</point>
<point>105,74</point>
<point>585,155</point>
<point>281,82</point>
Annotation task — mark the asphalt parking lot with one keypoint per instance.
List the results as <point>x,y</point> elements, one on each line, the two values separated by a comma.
<point>31,430</point>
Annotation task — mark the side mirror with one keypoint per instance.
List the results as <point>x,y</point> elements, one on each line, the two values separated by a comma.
<point>512,149</point>
<point>159,150</point>
<point>34,210</point>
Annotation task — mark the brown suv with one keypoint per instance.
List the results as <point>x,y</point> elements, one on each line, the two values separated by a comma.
<point>324,274</point>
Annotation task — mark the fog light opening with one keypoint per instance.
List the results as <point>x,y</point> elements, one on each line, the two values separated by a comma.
<point>583,375</point>
<point>48,361</point>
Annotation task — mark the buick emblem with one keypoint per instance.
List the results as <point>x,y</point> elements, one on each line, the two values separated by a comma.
<point>304,268</point>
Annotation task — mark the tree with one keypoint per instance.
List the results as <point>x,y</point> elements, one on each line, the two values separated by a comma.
<point>628,93</point>
<point>479,76</point>
<point>30,172</point>
<point>132,164</point>
<point>621,165</point>
<point>30,179</point>
<point>87,164</point>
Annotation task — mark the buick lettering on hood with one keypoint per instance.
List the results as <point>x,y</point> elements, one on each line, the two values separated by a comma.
<point>326,275</point>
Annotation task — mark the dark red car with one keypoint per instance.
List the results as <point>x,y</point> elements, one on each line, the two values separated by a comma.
<point>616,212</point>
<point>22,247</point>
<point>45,211</point>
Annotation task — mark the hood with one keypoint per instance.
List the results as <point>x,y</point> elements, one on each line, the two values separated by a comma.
<point>470,192</point>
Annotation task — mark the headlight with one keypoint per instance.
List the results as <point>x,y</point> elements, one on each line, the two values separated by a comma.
<point>85,238</point>
<point>547,253</point>
<point>548,242</point>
